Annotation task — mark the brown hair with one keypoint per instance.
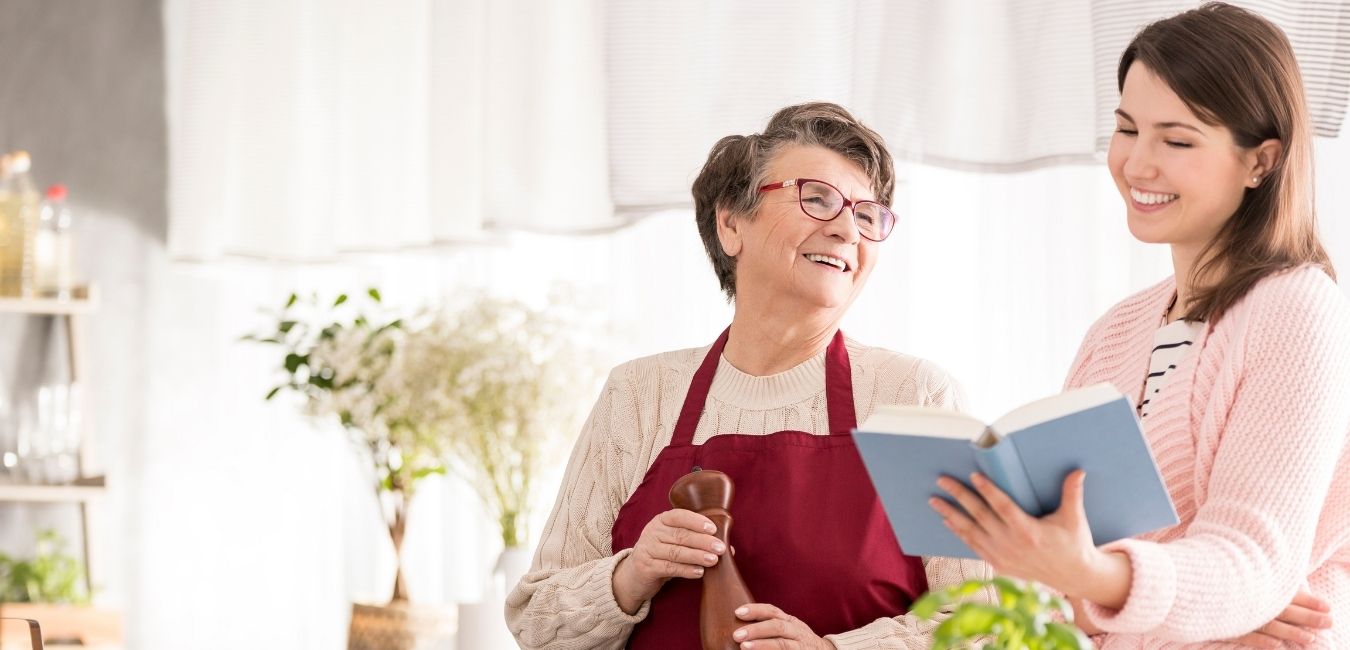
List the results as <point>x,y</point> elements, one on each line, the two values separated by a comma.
<point>1235,69</point>
<point>738,165</point>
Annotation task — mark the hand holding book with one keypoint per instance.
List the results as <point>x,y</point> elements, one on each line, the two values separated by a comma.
<point>1027,454</point>
<point>1056,550</point>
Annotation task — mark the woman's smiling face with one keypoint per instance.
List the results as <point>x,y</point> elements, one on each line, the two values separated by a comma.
<point>1181,178</point>
<point>784,253</point>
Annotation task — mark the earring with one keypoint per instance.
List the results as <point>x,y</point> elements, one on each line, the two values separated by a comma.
<point>1256,180</point>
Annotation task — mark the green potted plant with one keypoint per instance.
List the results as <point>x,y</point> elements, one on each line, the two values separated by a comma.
<point>1021,618</point>
<point>381,379</point>
<point>477,390</point>
<point>49,588</point>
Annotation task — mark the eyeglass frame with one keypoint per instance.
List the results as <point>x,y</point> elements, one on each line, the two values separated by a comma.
<point>847,203</point>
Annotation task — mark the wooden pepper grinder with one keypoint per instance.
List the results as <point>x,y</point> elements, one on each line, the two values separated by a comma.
<point>709,493</point>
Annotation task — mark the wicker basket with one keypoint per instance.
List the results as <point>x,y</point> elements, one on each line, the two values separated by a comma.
<point>400,626</point>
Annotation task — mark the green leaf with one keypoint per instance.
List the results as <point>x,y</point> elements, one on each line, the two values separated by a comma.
<point>1009,591</point>
<point>929,604</point>
<point>286,325</point>
<point>977,619</point>
<point>291,301</point>
<point>273,393</point>
<point>340,299</point>
<point>1066,637</point>
<point>374,294</point>
<point>294,361</point>
<point>424,472</point>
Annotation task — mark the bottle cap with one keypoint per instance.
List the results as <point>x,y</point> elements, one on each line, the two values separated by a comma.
<point>56,192</point>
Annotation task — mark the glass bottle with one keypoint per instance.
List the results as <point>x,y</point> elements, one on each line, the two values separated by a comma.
<point>23,205</point>
<point>11,231</point>
<point>53,248</point>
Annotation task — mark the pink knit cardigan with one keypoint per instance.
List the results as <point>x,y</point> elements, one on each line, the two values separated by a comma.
<point>1250,435</point>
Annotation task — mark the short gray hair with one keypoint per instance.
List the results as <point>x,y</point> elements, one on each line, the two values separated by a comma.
<point>738,165</point>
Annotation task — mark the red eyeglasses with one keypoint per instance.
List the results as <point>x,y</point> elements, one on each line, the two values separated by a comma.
<point>823,202</point>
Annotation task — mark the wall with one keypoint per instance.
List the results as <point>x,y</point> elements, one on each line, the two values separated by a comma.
<point>82,89</point>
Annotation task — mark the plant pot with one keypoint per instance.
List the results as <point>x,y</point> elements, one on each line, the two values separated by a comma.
<point>482,626</point>
<point>511,566</point>
<point>91,627</point>
<point>400,626</point>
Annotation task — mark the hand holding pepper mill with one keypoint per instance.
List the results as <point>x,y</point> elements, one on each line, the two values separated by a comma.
<point>709,493</point>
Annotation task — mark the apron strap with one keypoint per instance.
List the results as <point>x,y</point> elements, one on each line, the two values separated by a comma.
<point>838,390</point>
<point>698,393</point>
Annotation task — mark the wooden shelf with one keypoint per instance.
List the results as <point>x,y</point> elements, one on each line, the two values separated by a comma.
<point>84,490</point>
<point>82,301</point>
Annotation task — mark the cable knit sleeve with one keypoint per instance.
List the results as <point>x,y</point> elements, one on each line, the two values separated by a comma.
<point>1250,545</point>
<point>944,391</point>
<point>566,600</point>
<point>910,632</point>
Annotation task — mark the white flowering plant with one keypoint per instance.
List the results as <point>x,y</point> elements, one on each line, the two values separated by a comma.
<point>482,391</point>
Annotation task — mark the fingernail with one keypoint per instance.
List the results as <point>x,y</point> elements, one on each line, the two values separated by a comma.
<point>740,634</point>
<point>698,572</point>
<point>742,611</point>
<point>709,527</point>
<point>709,557</point>
<point>976,478</point>
<point>747,645</point>
<point>934,501</point>
<point>719,547</point>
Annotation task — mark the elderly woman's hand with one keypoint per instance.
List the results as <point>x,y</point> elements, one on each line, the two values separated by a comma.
<point>774,629</point>
<point>674,544</point>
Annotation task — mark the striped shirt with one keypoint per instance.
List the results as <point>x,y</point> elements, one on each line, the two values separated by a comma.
<point>1170,343</point>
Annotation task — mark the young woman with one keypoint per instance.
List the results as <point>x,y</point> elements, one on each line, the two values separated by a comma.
<point>1239,364</point>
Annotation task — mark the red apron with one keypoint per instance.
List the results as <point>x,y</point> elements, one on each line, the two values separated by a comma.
<point>811,537</point>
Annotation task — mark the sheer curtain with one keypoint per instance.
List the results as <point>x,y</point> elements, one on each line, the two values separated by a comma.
<point>302,129</point>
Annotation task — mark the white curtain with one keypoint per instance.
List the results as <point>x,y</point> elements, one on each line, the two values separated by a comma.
<point>301,129</point>
<point>982,85</point>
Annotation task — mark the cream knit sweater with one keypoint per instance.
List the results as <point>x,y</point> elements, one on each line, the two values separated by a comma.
<point>1250,436</point>
<point>566,602</point>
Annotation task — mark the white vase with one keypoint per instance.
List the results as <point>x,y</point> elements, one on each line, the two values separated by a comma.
<point>511,567</point>
<point>482,625</point>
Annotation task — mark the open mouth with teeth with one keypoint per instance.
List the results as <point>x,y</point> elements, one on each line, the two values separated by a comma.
<point>826,260</point>
<point>1152,198</point>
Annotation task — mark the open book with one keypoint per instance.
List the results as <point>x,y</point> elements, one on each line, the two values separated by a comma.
<point>1028,452</point>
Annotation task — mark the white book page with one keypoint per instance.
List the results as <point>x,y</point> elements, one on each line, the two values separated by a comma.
<point>1055,406</point>
<point>918,420</point>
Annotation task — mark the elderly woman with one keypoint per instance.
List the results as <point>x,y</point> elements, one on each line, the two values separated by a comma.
<point>793,220</point>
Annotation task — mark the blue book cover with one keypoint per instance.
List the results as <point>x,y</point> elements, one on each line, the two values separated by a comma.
<point>1028,453</point>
